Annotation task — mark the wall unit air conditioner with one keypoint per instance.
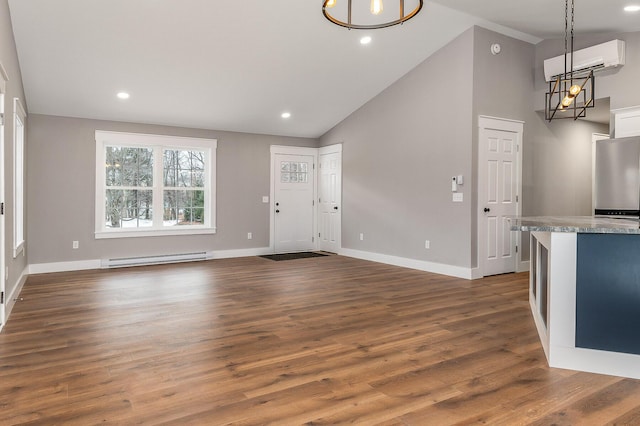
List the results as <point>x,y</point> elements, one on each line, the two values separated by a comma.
<point>600,56</point>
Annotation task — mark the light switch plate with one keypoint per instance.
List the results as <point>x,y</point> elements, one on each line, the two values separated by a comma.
<point>265,199</point>
<point>457,197</point>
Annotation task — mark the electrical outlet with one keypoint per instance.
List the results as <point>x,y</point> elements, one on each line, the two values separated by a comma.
<point>265,199</point>
<point>75,245</point>
<point>361,236</point>
<point>249,235</point>
<point>427,244</point>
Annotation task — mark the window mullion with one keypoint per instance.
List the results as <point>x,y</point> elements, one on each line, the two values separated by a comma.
<point>158,210</point>
<point>207,188</point>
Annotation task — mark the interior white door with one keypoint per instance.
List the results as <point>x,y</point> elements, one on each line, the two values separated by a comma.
<point>497,199</point>
<point>3,302</point>
<point>293,203</point>
<point>330,201</point>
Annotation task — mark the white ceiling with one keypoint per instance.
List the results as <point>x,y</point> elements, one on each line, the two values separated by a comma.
<point>232,65</point>
<point>545,18</point>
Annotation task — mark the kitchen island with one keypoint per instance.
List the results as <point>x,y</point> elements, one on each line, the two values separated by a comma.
<point>584,291</point>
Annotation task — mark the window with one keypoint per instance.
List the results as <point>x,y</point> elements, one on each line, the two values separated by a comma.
<point>294,172</point>
<point>154,185</point>
<point>19,117</point>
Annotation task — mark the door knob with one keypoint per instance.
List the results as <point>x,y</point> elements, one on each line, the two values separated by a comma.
<point>277,204</point>
<point>335,207</point>
<point>277,211</point>
<point>487,209</point>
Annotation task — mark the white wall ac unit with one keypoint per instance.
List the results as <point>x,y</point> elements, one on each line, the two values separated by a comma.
<point>600,56</point>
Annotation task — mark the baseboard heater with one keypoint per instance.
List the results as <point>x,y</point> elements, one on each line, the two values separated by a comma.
<point>153,260</point>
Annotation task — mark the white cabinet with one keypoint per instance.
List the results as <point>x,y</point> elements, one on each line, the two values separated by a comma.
<point>539,274</point>
<point>627,122</point>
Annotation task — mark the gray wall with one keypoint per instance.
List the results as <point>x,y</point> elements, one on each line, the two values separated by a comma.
<point>560,161</point>
<point>400,151</point>
<point>557,166</point>
<point>61,179</point>
<point>502,87</point>
<point>9,60</point>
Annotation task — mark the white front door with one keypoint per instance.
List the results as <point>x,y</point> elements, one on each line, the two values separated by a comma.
<point>498,197</point>
<point>330,198</point>
<point>293,202</point>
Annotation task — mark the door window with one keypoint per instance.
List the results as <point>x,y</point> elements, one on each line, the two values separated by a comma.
<point>294,172</point>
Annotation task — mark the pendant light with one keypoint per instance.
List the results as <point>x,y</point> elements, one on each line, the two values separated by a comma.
<point>352,14</point>
<point>573,91</point>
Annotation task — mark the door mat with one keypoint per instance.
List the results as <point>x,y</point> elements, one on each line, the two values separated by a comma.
<point>291,256</point>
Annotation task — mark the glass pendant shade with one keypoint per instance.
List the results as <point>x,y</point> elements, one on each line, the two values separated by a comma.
<point>574,90</point>
<point>376,7</point>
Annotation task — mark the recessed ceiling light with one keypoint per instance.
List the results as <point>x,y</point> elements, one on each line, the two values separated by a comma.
<point>285,115</point>
<point>632,8</point>
<point>123,95</point>
<point>365,40</point>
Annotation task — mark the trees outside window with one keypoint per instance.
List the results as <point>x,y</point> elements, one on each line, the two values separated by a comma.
<point>154,185</point>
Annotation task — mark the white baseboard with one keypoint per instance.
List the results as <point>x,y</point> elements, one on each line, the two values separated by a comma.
<point>422,265</point>
<point>476,274</point>
<point>523,266</point>
<point>226,254</point>
<point>15,293</point>
<point>438,268</point>
<point>80,265</point>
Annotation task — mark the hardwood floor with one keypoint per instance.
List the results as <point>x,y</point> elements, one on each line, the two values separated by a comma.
<point>325,340</point>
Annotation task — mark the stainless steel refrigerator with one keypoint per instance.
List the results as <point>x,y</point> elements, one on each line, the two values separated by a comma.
<point>617,177</point>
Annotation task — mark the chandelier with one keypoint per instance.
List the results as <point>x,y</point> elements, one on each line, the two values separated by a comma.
<point>370,14</point>
<point>571,93</point>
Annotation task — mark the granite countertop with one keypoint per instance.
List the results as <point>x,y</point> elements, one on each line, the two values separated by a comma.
<point>581,224</point>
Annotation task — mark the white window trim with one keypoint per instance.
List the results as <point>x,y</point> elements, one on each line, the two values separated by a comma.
<point>19,113</point>
<point>3,127</point>
<point>106,138</point>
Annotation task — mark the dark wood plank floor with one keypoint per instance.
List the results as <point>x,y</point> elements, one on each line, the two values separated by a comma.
<point>326,340</point>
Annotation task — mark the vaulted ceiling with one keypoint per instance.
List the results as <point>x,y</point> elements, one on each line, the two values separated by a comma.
<point>233,65</point>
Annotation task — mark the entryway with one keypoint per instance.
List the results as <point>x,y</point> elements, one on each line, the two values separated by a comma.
<point>306,198</point>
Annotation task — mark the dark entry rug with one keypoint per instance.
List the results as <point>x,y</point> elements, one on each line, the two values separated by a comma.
<point>291,256</point>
